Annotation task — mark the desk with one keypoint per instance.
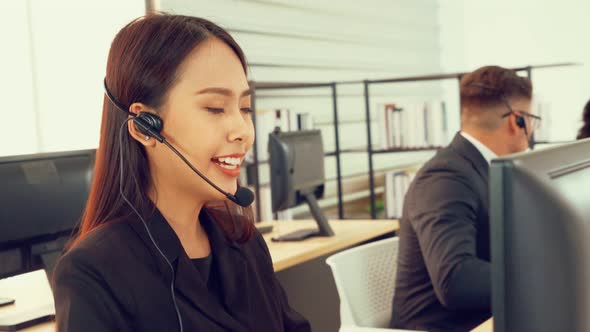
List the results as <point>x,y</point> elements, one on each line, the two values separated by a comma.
<point>487,326</point>
<point>31,290</point>
<point>347,234</point>
<point>296,263</point>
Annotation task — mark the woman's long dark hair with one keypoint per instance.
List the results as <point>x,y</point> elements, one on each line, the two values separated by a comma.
<point>584,132</point>
<point>142,67</point>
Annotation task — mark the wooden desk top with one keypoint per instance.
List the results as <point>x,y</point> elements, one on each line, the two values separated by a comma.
<point>33,289</point>
<point>347,234</point>
<point>487,326</point>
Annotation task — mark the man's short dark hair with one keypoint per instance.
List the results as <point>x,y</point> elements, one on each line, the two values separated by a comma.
<point>486,86</point>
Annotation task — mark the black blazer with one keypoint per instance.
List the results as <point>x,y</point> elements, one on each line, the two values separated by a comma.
<point>115,280</point>
<point>443,275</point>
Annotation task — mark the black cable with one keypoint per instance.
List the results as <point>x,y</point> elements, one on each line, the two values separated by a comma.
<point>144,223</point>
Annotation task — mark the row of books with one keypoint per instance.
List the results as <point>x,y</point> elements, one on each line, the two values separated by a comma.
<point>413,125</point>
<point>425,124</point>
<point>397,184</point>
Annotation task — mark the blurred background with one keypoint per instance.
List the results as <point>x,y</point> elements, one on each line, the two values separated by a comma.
<point>54,55</point>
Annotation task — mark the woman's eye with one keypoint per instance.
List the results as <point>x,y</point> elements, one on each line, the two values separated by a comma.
<point>246,109</point>
<point>215,110</point>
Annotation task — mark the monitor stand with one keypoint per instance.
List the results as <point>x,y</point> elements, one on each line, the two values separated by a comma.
<point>323,229</point>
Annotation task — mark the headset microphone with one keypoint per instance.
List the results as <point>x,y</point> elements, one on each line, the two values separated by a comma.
<point>243,196</point>
<point>151,125</point>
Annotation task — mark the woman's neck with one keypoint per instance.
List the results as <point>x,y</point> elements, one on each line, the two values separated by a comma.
<point>182,214</point>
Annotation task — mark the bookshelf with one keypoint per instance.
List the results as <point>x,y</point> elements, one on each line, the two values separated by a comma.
<point>370,149</point>
<point>436,77</point>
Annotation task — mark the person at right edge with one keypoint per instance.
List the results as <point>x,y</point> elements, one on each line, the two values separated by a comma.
<point>443,276</point>
<point>584,131</point>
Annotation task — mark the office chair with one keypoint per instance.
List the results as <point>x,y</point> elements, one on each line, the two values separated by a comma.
<point>365,280</point>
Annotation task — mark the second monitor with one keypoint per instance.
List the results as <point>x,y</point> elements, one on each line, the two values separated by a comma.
<point>297,177</point>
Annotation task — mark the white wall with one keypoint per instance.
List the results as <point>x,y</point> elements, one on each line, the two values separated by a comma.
<point>526,32</point>
<point>53,62</point>
<point>19,132</point>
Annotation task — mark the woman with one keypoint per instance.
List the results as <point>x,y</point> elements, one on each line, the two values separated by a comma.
<point>159,249</point>
<point>584,132</point>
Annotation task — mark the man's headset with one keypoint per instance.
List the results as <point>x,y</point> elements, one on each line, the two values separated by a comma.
<point>520,120</point>
<point>151,125</point>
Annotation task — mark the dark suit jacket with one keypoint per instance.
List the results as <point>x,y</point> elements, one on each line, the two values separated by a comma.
<point>443,277</point>
<point>115,280</point>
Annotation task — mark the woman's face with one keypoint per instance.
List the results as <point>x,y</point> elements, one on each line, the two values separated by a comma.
<point>207,118</point>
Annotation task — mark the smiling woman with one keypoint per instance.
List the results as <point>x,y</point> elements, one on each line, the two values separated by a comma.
<point>159,249</point>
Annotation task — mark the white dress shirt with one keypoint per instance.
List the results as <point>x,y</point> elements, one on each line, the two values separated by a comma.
<point>487,154</point>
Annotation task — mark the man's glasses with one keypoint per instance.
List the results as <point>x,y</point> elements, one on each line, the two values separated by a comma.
<point>534,121</point>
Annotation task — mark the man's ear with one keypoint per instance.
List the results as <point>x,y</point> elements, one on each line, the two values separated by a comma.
<point>135,131</point>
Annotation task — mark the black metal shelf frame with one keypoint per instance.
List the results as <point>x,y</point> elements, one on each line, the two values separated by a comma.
<point>369,150</point>
<point>276,86</point>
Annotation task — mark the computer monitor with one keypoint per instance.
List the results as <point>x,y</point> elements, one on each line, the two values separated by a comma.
<point>41,199</point>
<point>297,177</point>
<point>540,240</point>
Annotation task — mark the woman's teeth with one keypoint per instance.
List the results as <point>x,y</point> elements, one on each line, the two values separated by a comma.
<point>228,162</point>
<point>231,161</point>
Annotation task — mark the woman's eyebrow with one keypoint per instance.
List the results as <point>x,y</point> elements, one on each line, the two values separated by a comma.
<point>223,92</point>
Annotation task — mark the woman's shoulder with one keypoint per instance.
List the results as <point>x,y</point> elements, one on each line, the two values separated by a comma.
<point>106,239</point>
<point>102,249</point>
<point>95,272</point>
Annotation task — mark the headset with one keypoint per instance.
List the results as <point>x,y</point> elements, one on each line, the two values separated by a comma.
<point>520,120</point>
<point>151,126</point>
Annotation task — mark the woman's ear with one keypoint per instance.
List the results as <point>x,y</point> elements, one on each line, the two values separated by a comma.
<point>135,131</point>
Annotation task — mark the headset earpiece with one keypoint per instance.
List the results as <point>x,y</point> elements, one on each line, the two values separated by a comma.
<point>149,124</point>
<point>520,122</point>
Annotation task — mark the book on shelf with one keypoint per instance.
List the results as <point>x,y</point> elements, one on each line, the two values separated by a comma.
<point>388,196</point>
<point>304,121</point>
<point>406,122</point>
<point>396,127</point>
<point>385,121</point>
<point>412,125</point>
<point>437,123</point>
<point>420,123</point>
<point>396,186</point>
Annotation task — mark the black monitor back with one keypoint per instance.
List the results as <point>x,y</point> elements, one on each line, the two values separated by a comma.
<point>43,194</point>
<point>296,166</point>
<point>540,218</point>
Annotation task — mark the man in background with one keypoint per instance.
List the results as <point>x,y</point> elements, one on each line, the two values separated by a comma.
<point>443,274</point>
